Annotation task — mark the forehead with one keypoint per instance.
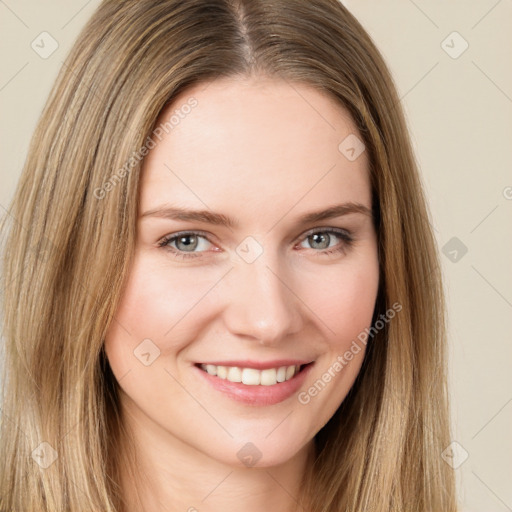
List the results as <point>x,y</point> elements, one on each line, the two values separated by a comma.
<point>253,145</point>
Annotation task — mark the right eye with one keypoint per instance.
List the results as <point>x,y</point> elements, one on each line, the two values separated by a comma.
<point>184,244</point>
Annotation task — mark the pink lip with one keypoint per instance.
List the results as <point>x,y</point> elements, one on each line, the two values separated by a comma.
<point>259,365</point>
<point>256,395</point>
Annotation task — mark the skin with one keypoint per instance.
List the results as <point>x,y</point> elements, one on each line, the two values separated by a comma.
<point>264,153</point>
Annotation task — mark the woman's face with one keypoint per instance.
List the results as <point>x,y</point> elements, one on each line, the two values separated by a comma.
<point>255,284</point>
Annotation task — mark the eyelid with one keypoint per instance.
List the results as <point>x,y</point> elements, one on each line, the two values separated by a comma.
<point>177,234</point>
<point>174,236</point>
<point>324,229</point>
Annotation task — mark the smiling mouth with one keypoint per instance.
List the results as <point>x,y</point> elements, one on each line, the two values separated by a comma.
<point>253,376</point>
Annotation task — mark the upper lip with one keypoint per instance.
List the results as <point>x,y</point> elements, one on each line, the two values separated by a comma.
<point>260,365</point>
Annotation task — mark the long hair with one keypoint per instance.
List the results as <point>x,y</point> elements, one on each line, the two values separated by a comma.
<point>71,231</point>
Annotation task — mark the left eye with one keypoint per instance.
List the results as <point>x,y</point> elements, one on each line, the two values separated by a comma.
<point>322,239</point>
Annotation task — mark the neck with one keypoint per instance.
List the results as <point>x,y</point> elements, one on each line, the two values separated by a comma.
<point>164,474</point>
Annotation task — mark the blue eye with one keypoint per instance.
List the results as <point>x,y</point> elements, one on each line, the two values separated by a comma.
<point>188,240</point>
<point>322,238</point>
<point>185,244</point>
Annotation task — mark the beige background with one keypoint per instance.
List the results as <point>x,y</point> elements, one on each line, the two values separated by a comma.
<point>460,115</point>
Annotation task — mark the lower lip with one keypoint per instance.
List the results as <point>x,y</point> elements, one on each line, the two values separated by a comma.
<point>257,395</point>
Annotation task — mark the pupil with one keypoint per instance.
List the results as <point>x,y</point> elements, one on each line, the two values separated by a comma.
<point>189,246</point>
<point>325,238</point>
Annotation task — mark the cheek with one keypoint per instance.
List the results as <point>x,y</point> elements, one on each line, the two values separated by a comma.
<point>157,304</point>
<point>347,303</point>
<point>346,311</point>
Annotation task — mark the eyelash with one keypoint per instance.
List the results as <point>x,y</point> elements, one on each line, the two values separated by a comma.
<point>345,235</point>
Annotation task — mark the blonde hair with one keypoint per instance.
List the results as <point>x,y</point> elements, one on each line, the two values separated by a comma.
<point>69,248</point>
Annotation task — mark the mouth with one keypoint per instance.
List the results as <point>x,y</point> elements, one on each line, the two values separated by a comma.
<point>253,383</point>
<point>254,376</point>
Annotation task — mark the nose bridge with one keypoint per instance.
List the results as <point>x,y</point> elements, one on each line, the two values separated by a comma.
<point>261,304</point>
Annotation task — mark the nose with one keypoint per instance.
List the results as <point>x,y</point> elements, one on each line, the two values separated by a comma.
<point>261,304</point>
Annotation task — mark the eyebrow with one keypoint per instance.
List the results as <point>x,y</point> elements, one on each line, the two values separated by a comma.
<point>209,217</point>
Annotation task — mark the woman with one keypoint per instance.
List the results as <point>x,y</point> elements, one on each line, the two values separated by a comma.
<point>222,285</point>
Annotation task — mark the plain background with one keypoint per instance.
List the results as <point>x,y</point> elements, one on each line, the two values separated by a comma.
<point>458,103</point>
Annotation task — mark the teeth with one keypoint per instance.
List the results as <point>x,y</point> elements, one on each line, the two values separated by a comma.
<point>269,377</point>
<point>211,369</point>
<point>281,374</point>
<point>290,372</point>
<point>234,374</point>
<point>251,376</point>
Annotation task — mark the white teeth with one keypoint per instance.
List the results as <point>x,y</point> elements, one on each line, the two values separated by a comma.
<point>234,374</point>
<point>211,369</point>
<point>251,376</point>
<point>269,377</point>
<point>281,374</point>
<point>290,372</point>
